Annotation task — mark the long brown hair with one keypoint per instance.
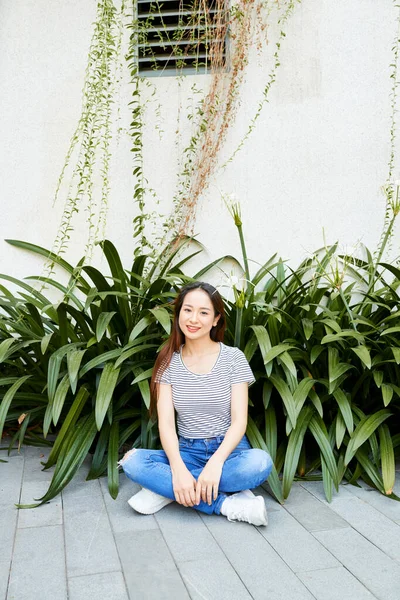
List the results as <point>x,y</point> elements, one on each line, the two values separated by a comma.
<point>176,339</point>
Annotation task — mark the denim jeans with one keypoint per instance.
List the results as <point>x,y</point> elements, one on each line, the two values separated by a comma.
<point>245,468</point>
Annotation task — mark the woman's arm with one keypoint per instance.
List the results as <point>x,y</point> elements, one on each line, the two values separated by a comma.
<point>208,481</point>
<point>182,480</point>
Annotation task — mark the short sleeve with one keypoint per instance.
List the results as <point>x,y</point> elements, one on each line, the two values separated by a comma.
<point>163,374</point>
<point>241,372</point>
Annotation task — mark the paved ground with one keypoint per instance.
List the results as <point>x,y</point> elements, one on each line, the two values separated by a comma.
<point>86,546</point>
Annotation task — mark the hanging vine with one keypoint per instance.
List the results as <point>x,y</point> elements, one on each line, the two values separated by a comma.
<point>90,143</point>
<point>209,37</point>
<point>391,188</point>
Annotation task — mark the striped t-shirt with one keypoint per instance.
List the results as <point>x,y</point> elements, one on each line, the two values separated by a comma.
<point>203,402</point>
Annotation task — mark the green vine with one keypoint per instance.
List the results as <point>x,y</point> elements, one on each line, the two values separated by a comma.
<point>392,187</point>
<point>91,139</point>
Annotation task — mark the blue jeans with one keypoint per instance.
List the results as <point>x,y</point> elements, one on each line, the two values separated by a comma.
<point>245,468</point>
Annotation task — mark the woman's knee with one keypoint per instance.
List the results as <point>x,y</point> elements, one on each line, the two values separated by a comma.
<point>261,463</point>
<point>132,461</point>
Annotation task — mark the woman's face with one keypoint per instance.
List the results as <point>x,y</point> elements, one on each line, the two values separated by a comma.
<point>196,317</point>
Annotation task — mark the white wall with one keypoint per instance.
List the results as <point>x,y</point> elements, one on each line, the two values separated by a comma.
<point>317,158</point>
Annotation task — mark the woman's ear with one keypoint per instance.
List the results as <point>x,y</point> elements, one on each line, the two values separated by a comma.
<point>216,320</point>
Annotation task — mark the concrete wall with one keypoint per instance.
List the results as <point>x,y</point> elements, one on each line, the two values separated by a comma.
<point>317,158</point>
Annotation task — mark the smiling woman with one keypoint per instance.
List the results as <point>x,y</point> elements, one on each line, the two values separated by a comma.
<point>208,464</point>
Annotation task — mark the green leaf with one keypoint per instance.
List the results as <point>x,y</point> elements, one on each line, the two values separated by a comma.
<point>143,386</point>
<point>315,352</point>
<point>263,339</point>
<point>257,441</point>
<point>8,398</point>
<point>103,322</point>
<point>68,425</point>
<point>396,354</point>
<point>108,381</point>
<point>74,359</point>
<point>378,378</point>
<point>387,393</point>
<point>364,355</point>
<point>307,327</point>
<point>387,459</point>
<point>112,462</point>
<point>326,480</point>
<point>59,398</point>
<point>53,257</point>
<point>301,392</point>
<point>276,351</point>
<point>345,408</point>
<point>312,394</point>
<point>44,344</point>
<point>294,448</point>
<point>120,280</point>
<point>334,337</point>
<point>163,317</point>
<point>135,350</point>
<point>286,396</point>
<point>371,470</point>
<point>4,347</point>
<point>391,330</point>
<point>340,430</point>
<point>363,431</point>
<point>271,430</point>
<point>267,390</point>
<point>338,370</point>
<point>318,429</point>
<point>140,326</point>
<point>71,457</point>
<point>290,368</point>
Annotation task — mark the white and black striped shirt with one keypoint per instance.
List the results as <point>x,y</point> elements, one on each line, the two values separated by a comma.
<point>203,402</point>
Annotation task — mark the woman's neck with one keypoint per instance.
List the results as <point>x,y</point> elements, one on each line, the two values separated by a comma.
<point>200,347</point>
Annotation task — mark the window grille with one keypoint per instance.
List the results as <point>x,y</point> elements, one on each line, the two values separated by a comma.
<point>181,35</point>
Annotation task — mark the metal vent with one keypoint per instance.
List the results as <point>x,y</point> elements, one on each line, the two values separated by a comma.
<point>181,35</point>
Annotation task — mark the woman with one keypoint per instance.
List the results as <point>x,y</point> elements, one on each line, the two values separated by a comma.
<point>206,383</point>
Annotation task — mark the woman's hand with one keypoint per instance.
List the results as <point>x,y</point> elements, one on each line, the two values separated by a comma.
<point>208,481</point>
<point>184,485</point>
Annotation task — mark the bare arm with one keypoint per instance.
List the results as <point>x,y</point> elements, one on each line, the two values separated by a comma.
<point>182,480</point>
<point>208,481</point>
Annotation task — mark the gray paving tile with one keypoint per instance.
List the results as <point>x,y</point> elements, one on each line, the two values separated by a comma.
<point>34,457</point>
<point>371,523</point>
<point>390,508</point>
<point>122,516</point>
<point>295,545</point>
<point>262,571</point>
<point>46,514</point>
<point>316,488</point>
<point>10,479</point>
<point>89,540</point>
<point>212,579</point>
<point>149,569</point>
<point>109,586</point>
<point>4,572</point>
<point>38,568</point>
<point>186,535</point>
<point>313,514</point>
<point>8,525</point>
<point>372,567</point>
<point>331,584</point>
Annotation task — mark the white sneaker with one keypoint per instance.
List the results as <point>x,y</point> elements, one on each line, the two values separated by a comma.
<point>244,506</point>
<point>148,502</point>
